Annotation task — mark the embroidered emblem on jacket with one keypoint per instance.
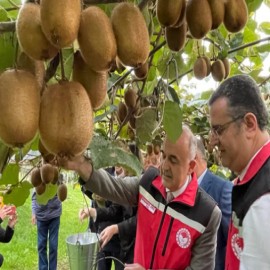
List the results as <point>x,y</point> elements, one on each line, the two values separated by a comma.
<point>183,238</point>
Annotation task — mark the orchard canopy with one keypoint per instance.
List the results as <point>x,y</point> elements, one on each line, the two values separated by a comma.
<point>147,67</point>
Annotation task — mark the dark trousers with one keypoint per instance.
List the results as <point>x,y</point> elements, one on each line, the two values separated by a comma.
<point>48,230</point>
<point>1,259</point>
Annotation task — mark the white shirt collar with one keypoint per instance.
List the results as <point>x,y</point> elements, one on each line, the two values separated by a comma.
<point>182,189</point>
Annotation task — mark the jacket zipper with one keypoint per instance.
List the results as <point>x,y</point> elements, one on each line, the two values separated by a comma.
<point>167,237</point>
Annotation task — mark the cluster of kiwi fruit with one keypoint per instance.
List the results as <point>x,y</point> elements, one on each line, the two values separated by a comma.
<point>219,68</point>
<point>48,174</point>
<point>62,112</point>
<point>129,109</point>
<point>152,155</point>
<point>199,17</point>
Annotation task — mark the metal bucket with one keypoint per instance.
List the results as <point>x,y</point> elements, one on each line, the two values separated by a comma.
<point>82,249</point>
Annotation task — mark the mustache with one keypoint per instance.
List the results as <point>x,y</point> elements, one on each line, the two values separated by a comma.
<point>166,173</point>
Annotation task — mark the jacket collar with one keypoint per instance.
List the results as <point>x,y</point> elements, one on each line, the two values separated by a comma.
<point>188,197</point>
<point>256,163</point>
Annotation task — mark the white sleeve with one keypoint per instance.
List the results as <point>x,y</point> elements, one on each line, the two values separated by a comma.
<point>256,235</point>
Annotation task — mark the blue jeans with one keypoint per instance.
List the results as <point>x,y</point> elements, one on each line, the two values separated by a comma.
<point>48,229</point>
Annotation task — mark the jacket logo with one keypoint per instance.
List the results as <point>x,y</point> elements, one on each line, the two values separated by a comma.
<point>237,245</point>
<point>183,238</point>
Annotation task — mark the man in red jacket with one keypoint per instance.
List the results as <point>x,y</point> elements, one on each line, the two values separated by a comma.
<point>177,234</point>
<point>239,120</point>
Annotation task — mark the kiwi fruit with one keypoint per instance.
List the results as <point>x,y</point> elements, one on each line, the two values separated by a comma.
<point>62,192</point>
<point>182,17</point>
<point>130,29</point>
<point>36,67</point>
<point>156,149</point>
<point>95,83</point>
<point>121,112</point>
<point>218,70</point>
<point>142,71</point>
<point>200,68</point>
<point>130,98</point>
<point>60,21</point>
<point>19,107</point>
<point>30,36</point>
<point>47,173</point>
<point>36,177</point>
<point>236,15</point>
<point>41,188</point>
<point>66,119</point>
<point>96,39</point>
<point>56,175</point>
<point>46,155</point>
<point>199,18</point>
<point>149,149</point>
<point>227,67</point>
<point>208,64</point>
<point>217,10</point>
<point>168,12</point>
<point>176,37</point>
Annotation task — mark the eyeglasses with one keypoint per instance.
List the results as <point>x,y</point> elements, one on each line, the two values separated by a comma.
<point>219,129</point>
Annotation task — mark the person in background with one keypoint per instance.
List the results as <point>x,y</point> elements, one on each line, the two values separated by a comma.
<point>125,228</point>
<point>7,212</point>
<point>47,219</point>
<point>177,222</point>
<point>104,213</point>
<point>220,190</point>
<point>239,120</point>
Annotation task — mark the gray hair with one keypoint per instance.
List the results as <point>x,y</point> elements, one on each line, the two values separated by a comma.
<point>192,141</point>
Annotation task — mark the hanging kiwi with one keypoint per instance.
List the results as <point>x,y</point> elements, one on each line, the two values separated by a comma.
<point>218,70</point>
<point>199,18</point>
<point>60,21</point>
<point>142,71</point>
<point>96,39</point>
<point>217,10</point>
<point>200,68</point>
<point>19,107</point>
<point>66,119</point>
<point>95,83</point>
<point>62,192</point>
<point>236,15</point>
<point>227,67</point>
<point>47,173</point>
<point>169,11</point>
<point>36,177</point>
<point>176,37</point>
<point>41,188</point>
<point>30,36</point>
<point>131,33</point>
<point>121,112</point>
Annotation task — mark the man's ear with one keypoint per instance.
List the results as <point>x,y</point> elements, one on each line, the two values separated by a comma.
<point>192,165</point>
<point>251,123</point>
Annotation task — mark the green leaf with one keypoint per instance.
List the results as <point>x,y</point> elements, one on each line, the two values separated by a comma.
<point>7,51</point>
<point>146,124</point>
<point>49,193</point>
<point>253,5</point>
<point>18,194</point>
<point>10,174</point>
<point>105,153</point>
<point>265,27</point>
<point>172,120</point>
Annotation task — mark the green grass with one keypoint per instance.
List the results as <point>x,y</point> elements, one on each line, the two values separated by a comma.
<point>21,252</point>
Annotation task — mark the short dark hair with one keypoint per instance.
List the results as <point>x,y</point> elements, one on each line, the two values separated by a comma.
<point>243,95</point>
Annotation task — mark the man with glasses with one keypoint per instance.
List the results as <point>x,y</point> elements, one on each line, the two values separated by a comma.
<point>239,119</point>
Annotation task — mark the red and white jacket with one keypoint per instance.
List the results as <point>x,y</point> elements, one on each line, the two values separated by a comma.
<point>254,185</point>
<point>166,242</point>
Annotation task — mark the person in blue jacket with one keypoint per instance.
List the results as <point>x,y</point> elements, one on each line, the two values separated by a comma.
<point>220,190</point>
<point>47,219</point>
